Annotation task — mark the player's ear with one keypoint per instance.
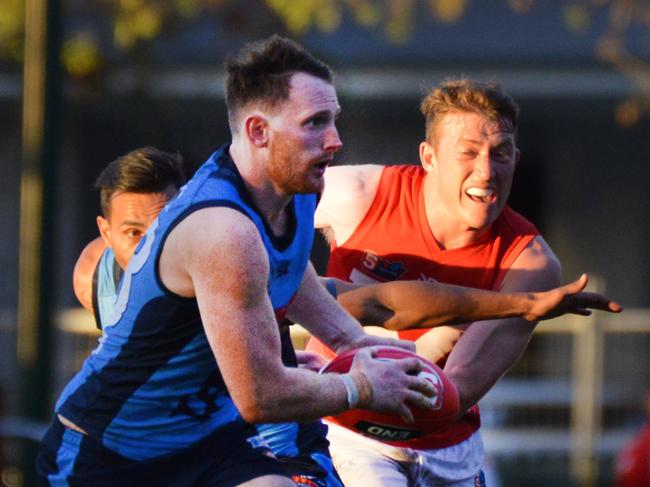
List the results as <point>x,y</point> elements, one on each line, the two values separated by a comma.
<point>517,155</point>
<point>257,130</point>
<point>427,156</point>
<point>104,230</point>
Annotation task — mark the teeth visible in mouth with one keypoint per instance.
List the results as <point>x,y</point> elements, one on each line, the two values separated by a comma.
<point>480,192</point>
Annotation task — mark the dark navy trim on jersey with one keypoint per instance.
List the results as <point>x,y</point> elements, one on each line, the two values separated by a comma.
<point>105,283</point>
<point>71,459</point>
<point>331,288</point>
<point>95,300</point>
<point>220,203</point>
<point>280,242</point>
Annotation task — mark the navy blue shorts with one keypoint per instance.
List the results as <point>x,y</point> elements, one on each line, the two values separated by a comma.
<point>68,458</point>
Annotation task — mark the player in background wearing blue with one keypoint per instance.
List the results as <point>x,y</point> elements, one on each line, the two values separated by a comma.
<point>133,189</point>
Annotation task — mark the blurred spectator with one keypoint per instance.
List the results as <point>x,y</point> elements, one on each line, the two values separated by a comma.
<point>633,462</point>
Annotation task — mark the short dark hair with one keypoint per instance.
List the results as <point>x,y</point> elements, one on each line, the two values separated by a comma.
<point>261,72</point>
<point>465,95</point>
<point>144,170</point>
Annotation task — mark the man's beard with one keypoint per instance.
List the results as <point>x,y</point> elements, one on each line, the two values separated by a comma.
<point>284,172</point>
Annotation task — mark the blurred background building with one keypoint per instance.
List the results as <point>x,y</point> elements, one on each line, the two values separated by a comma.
<point>144,72</point>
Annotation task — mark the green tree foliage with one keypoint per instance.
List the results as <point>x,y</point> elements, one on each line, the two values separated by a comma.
<point>12,24</point>
<point>136,23</point>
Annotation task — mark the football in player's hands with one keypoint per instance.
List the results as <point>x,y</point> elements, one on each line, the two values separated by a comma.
<point>391,428</point>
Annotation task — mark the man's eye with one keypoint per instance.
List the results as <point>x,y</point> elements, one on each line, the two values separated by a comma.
<point>316,121</point>
<point>134,233</point>
<point>502,155</point>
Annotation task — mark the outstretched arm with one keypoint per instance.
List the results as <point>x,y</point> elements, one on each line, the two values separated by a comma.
<point>82,276</point>
<point>401,305</point>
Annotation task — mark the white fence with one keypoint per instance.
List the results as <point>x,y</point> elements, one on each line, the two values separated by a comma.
<point>599,387</point>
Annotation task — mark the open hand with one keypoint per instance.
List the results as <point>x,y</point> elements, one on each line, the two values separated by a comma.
<point>568,299</point>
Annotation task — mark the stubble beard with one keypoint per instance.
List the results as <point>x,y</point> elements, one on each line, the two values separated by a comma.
<point>282,170</point>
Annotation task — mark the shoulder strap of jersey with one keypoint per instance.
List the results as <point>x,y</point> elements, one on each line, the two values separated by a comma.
<point>98,321</point>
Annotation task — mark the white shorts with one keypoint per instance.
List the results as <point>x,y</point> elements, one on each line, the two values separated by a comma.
<point>365,462</point>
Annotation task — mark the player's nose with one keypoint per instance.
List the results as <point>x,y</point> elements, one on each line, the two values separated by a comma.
<point>484,166</point>
<point>332,140</point>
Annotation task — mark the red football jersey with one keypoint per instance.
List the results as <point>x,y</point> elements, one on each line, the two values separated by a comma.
<point>633,463</point>
<point>394,242</point>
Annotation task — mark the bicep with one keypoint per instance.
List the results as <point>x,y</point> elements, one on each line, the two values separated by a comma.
<point>535,269</point>
<point>488,349</point>
<point>229,271</point>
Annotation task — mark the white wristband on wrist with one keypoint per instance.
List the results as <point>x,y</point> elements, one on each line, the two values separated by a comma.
<point>352,390</point>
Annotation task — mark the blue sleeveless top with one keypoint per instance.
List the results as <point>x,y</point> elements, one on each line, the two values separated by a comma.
<point>106,279</point>
<point>152,386</point>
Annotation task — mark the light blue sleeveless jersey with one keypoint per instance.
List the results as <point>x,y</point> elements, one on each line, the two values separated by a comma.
<point>106,279</point>
<point>152,386</point>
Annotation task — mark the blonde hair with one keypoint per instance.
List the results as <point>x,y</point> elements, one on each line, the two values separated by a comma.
<point>464,95</point>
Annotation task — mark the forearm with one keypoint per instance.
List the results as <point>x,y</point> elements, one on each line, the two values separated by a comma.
<point>484,354</point>
<point>402,305</point>
<point>436,304</point>
<point>316,310</point>
<point>303,395</point>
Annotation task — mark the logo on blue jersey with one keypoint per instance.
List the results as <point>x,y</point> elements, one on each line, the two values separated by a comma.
<point>258,442</point>
<point>282,269</point>
<point>202,404</point>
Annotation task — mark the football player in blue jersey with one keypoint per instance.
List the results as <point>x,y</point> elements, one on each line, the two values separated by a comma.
<point>192,355</point>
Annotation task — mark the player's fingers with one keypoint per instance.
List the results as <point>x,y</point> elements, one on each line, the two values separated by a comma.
<point>606,305</point>
<point>419,400</point>
<point>598,301</point>
<point>362,356</point>
<point>422,386</point>
<point>406,344</point>
<point>615,307</point>
<point>365,352</point>
<point>405,413</point>
<point>409,365</point>
<point>372,350</point>
<point>577,285</point>
<point>581,312</point>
